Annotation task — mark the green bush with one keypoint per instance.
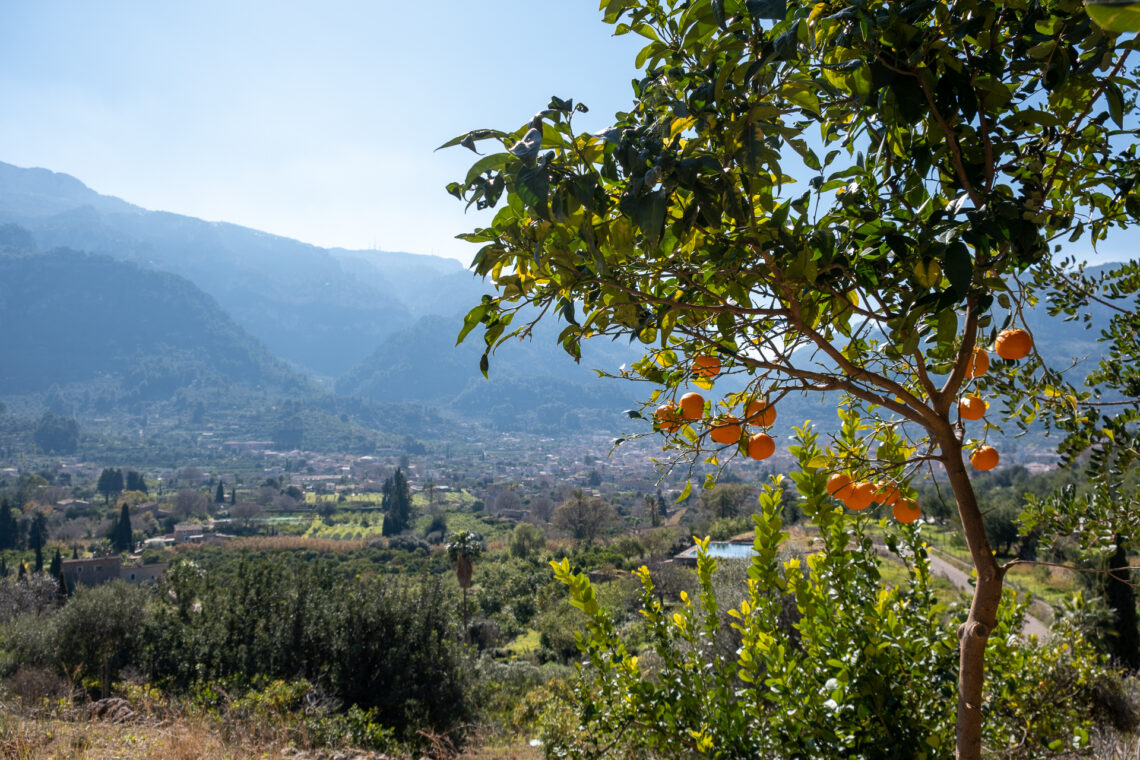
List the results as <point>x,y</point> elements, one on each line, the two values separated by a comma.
<point>526,540</point>
<point>856,669</point>
<point>386,646</point>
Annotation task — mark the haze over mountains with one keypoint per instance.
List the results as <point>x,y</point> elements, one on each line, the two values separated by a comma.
<point>114,305</point>
<point>96,291</point>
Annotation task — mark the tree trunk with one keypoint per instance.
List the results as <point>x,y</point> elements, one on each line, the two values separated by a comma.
<point>466,625</point>
<point>975,632</point>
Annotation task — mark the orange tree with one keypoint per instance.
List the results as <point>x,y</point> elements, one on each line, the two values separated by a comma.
<point>828,197</point>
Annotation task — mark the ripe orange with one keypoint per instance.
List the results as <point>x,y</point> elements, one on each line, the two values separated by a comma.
<point>972,408</point>
<point>979,363</point>
<point>906,511</point>
<point>839,486</point>
<point>860,497</point>
<point>760,413</point>
<point>887,493</point>
<point>692,406</point>
<point>761,446</point>
<point>668,417</point>
<point>705,365</point>
<point>984,458</point>
<point>726,430</point>
<point>1013,344</point>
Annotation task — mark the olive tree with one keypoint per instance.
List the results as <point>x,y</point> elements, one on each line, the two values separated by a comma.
<point>827,197</point>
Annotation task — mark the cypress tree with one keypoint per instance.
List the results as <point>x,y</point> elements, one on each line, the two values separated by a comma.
<point>110,482</point>
<point>135,482</point>
<point>37,538</point>
<point>122,537</point>
<point>8,528</point>
<point>220,494</point>
<point>396,503</point>
<point>57,573</point>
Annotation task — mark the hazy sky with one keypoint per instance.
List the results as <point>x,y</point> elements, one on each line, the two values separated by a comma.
<point>316,121</point>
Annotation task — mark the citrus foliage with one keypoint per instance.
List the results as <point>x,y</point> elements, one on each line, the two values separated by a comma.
<point>824,196</point>
<point>860,670</point>
<point>939,148</point>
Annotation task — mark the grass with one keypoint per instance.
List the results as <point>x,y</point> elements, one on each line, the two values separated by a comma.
<point>39,738</point>
<point>48,733</point>
<point>894,573</point>
<point>524,643</point>
<point>1050,584</point>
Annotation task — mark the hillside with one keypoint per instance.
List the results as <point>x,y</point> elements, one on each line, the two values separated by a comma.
<point>532,384</point>
<point>73,317</point>
<point>322,310</point>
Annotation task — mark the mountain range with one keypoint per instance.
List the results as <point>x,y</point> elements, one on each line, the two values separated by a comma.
<point>116,304</point>
<point>112,306</point>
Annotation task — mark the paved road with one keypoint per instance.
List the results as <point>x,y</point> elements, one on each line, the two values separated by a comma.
<point>943,566</point>
<point>952,572</point>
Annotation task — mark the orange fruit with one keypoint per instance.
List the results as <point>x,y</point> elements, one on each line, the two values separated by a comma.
<point>761,446</point>
<point>979,363</point>
<point>839,486</point>
<point>668,417</point>
<point>887,493</point>
<point>972,408</point>
<point>726,430</point>
<point>860,496</point>
<point>1013,344</point>
<point>984,458</point>
<point>906,511</point>
<point>706,365</point>
<point>760,413</point>
<point>692,406</point>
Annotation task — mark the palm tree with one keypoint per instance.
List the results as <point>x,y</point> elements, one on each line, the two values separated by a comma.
<point>464,548</point>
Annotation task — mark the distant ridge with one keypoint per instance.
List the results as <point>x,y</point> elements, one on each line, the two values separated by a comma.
<point>76,318</point>
<point>323,310</point>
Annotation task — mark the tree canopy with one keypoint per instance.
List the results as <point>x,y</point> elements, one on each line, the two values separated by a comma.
<point>845,198</point>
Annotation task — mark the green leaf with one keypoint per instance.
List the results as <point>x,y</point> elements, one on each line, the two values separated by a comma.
<point>767,10</point>
<point>1115,15</point>
<point>947,327</point>
<point>959,268</point>
<point>1115,103</point>
<point>474,317</point>
<point>468,139</point>
<point>686,493</point>
<point>649,213</point>
<point>533,187</point>
<point>487,163</point>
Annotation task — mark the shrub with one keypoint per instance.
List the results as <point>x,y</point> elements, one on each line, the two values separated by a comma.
<point>389,647</point>
<point>526,540</point>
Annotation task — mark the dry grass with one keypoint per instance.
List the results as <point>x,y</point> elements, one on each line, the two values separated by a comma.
<point>23,738</point>
<point>44,734</point>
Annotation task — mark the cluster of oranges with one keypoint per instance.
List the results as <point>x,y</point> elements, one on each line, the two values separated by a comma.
<point>858,495</point>
<point>726,429</point>
<point>1010,344</point>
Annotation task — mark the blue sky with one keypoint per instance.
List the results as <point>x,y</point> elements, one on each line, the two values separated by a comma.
<point>313,121</point>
